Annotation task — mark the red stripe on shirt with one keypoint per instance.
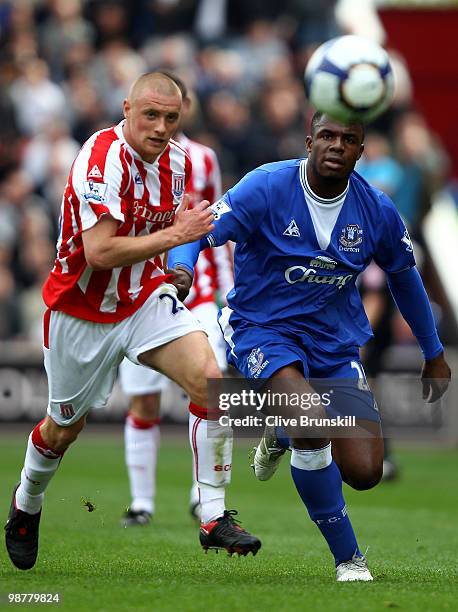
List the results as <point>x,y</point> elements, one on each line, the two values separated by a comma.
<point>165,178</point>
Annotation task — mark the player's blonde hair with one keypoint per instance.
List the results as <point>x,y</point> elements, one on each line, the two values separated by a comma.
<point>155,81</point>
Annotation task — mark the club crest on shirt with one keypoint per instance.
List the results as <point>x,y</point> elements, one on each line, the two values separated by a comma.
<point>178,184</point>
<point>256,363</point>
<point>350,236</point>
<point>94,191</point>
<point>67,411</point>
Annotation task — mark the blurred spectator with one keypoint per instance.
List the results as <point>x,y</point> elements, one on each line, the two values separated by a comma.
<point>19,38</point>
<point>361,19</point>
<point>47,159</point>
<point>313,23</point>
<point>111,20</point>
<point>10,136</point>
<point>231,122</point>
<point>17,201</point>
<point>259,49</point>
<point>316,21</point>
<point>378,166</point>
<point>10,323</point>
<point>64,33</point>
<point>85,106</point>
<point>425,166</point>
<point>170,53</point>
<point>116,66</point>
<point>162,18</point>
<point>48,99</point>
<point>36,257</point>
<point>282,125</point>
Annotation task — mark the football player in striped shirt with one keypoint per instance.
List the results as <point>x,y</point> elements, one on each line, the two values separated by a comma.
<point>213,279</point>
<point>108,297</point>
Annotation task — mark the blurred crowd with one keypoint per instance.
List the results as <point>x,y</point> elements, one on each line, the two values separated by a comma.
<point>65,68</point>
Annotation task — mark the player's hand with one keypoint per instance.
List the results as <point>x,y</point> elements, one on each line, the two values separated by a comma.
<point>193,223</point>
<point>182,281</point>
<point>435,378</point>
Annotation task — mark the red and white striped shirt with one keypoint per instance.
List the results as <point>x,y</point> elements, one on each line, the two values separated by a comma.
<point>214,269</point>
<point>108,177</point>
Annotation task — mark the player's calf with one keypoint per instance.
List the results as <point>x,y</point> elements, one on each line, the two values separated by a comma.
<point>364,476</point>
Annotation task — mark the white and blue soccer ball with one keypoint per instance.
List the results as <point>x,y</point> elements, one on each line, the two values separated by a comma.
<point>350,79</point>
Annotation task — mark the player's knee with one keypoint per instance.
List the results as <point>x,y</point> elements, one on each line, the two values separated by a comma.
<point>212,370</point>
<point>365,476</point>
<point>198,391</point>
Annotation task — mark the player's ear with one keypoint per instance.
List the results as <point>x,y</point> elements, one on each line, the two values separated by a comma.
<point>361,150</point>
<point>186,104</point>
<point>308,143</point>
<point>126,107</point>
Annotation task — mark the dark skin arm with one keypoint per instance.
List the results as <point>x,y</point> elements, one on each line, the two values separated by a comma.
<point>435,378</point>
<point>182,281</point>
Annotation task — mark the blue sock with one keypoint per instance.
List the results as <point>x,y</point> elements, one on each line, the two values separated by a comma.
<point>282,437</point>
<point>320,489</point>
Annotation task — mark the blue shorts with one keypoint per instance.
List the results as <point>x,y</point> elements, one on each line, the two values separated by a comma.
<point>257,352</point>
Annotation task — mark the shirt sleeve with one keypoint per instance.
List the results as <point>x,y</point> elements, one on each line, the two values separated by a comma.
<point>412,300</point>
<point>394,250</point>
<point>237,215</point>
<point>241,210</point>
<point>99,194</point>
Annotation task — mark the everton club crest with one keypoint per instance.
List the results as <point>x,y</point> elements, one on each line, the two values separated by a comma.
<point>256,362</point>
<point>350,236</point>
<point>178,184</point>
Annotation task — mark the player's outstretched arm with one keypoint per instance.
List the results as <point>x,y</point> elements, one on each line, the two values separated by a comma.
<point>104,250</point>
<point>412,300</point>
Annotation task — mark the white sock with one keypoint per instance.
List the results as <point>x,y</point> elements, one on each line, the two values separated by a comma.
<point>141,448</point>
<point>194,493</point>
<point>211,445</point>
<point>37,472</point>
<point>312,459</point>
<point>211,503</point>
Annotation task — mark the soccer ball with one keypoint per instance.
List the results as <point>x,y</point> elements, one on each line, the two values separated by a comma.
<point>350,79</point>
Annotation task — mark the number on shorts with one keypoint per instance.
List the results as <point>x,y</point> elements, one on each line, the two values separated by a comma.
<point>362,380</point>
<point>175,307</point>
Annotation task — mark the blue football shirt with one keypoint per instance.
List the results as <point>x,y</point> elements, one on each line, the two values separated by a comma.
<point>296,263</point>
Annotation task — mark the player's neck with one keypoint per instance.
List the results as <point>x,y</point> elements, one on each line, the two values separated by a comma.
<point>325,187</point>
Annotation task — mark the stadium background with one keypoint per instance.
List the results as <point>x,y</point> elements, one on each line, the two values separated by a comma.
<point>65,66</point>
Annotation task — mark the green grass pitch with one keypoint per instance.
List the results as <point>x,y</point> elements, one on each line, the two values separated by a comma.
<point>411,528</point>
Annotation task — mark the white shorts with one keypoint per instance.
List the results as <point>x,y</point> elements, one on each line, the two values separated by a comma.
<point>83,357</point>
<point>140,380</point>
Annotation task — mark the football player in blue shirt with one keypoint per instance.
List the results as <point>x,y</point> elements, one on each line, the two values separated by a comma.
<point>304,229</point>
